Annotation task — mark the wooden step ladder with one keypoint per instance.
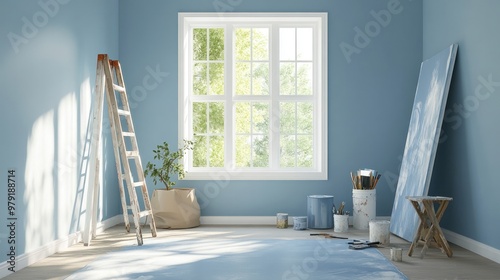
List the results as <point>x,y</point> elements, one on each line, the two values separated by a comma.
<point>125,148</point>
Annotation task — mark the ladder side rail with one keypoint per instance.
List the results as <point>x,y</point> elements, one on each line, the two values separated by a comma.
<point>113,107</point>
<point>94,165</point>
<point>95,198</point>
<point>116,152</point>
<point>116,69</point>
<point>115,64</point>
<point>119,169</point>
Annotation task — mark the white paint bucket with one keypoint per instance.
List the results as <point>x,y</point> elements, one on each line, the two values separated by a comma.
<point>282,220</point>
<point>299,223</point>
<point>364,207</point>
<point>379,231</point>
<point>340,223</point>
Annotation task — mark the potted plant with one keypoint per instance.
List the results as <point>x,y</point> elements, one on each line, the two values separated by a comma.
<point>172,207</point>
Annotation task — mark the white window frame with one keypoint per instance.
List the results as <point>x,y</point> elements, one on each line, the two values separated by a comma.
<point>187,21</point>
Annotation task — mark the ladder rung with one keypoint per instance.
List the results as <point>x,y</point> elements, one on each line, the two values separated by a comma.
<point>123,112</point>
<point>131,154</point>
<point>118,88</point>
<point>137,184</point>
<point>128,134</point>
<point>145,213</point>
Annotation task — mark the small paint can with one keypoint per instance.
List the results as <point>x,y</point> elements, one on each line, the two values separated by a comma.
<point>299,223</point>
<point>282,220</point>
<point>396,254</point>
<point>379,231</point>
<point>340,223</point>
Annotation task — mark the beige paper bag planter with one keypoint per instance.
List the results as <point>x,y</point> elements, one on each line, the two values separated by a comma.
<point>175,208</point>
<point>172,208</point>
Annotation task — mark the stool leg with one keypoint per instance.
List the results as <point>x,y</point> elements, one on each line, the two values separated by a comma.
<point>436,229</point>
<point>421,226</point>
<point>429,210</point>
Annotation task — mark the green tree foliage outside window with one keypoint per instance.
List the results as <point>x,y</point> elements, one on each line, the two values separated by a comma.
<point>252,126</point>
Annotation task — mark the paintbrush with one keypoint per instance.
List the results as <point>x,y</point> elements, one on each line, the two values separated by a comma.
<point>326,235</point>
<point>353,181</point>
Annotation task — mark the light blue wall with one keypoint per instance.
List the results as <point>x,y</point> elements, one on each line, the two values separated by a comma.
<point>48,52</point>
<point>467,159</point>
<point>46,85</point>
<point>370,95</point>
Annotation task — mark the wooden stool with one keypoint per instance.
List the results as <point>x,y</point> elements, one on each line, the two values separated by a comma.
<point>429,228</point>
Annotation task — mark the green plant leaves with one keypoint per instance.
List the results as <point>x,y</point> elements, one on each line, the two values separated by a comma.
<point>169,163</point>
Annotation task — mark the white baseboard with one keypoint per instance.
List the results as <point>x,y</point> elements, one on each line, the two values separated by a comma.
<point>473,245</point>
<point>53,247</point>
<point>239,220</point>
<point>253,220</point>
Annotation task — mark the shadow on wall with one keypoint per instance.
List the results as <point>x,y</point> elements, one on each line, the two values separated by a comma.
<point>56,170</point>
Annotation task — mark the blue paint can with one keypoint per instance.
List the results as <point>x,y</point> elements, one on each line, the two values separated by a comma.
<point>319,211</point>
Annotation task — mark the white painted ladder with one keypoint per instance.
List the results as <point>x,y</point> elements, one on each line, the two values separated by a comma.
<point>125,150</point>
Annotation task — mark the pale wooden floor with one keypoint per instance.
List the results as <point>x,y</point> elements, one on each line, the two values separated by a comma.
<point>435,265</point>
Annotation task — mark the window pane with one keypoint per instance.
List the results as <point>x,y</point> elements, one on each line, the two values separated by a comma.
<point>252,151</point>
<point>287,78</point>
<point>200,151</point>
<point>208,132</point>
<point>199,118</point>
<point>252,118</point>
<point>260,118</point>
<point>287,151</point>
<point>243,78</point>
<point>260,81</point>
<point>216,76</point>
<point>287,118</point>
<point>304,118</point>
<point>252,126</point>
<point>304,78</point>
<point>243,119</point>
<point>200,44</point>
<point>260,44</point>
<point>243,44</point>
<point>304,43</point>
<point>216,151</point>
<point>243,151</point>
<point>200,79</point>
<point>216,117</point>
<point>287,44</point>
<point>252,61</point>
<point>260,151</point>
<point>216,49</point>
<point>304,151</point>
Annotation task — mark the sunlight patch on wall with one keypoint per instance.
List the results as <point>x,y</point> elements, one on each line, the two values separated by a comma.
<point>40,194</point>
<point>78,215</point>
<point>68,158</point>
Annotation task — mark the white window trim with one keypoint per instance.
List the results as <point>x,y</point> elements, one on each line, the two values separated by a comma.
<point>185,20</point>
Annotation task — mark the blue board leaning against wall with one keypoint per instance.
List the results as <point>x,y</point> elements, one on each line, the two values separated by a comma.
<point>422,140</point>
